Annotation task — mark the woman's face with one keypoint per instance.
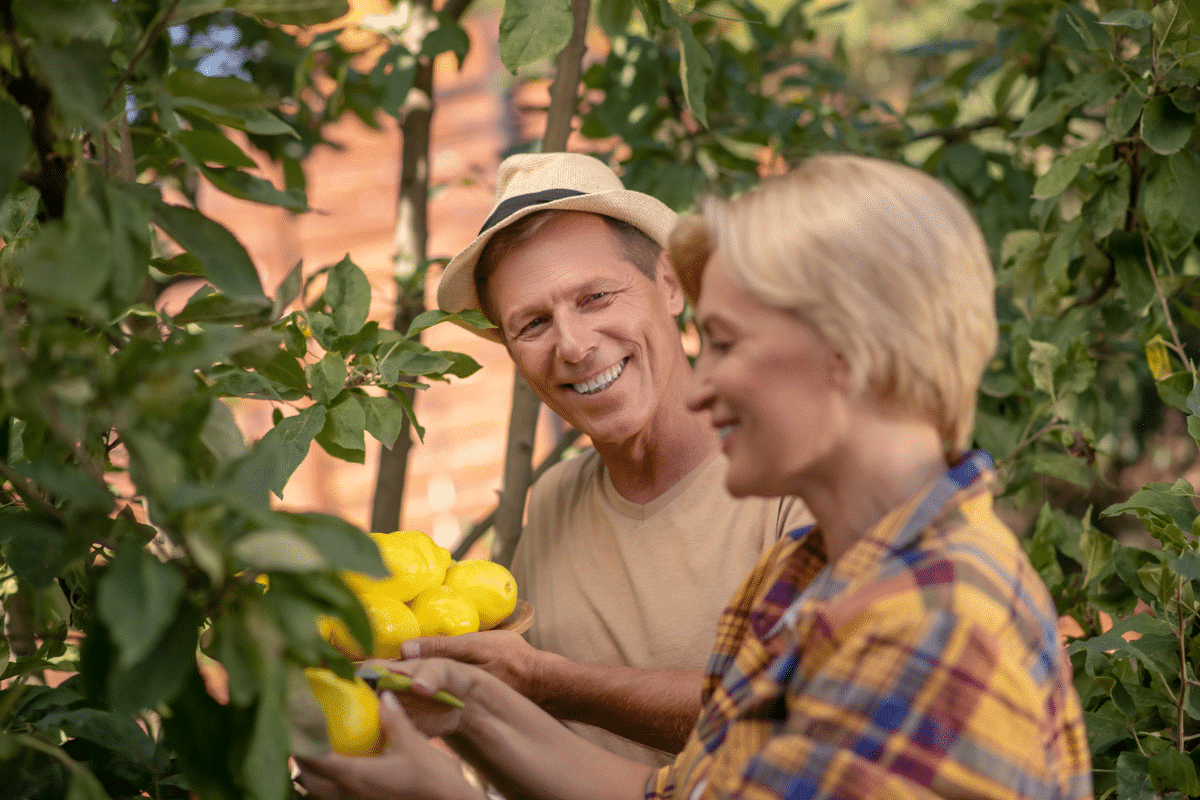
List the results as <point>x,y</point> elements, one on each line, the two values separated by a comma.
<point>776,390</point>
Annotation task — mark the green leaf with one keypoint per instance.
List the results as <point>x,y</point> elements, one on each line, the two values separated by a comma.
<point>1129,18</point>
<point>17,145</point>
<point>1063,466</point>
<point>447,37</point>
<point>225,261</point>
<point>295,12</point>
<point>533,30</point>
<point>384,418</point>
<point>345,546</point>
<point>60,21</point>
<point>162,674</point>
<point>265,767</point>
<point>228,92</point>
<point>427,319</point>
<point>1160,505</point>
<point>251,120</point>
<point>1133,777</point>
<point>342,435</point>
<point>1095,553</point>
<point>1172,770</point>
<point>348,295</point>
<point>137,599</point>
<point>278,550</point>
<point>243,185</point>
<point>1124,114</point>
<point>36,549</point>
<point>695,67</point>
<point>207,147</point>
<point>76,75</point>
<point>1063,170</point>
<point>289,441</point>
<point>328,377</point>
<point>1165,128</point>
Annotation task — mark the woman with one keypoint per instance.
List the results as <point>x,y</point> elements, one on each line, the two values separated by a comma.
<point>901,647</point>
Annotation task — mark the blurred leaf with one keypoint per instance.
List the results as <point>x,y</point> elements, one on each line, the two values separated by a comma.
<point>207,147</point>
<point>1128,17</point>
<point>533,30</point>
<point>1165,128</point>
<point>18,145</point>
<point>137,599</point>
<point>1172,770</point>
<point>76,76</point>
<point>278,550</point>
<point>36,549</point>
<point>345,546</point>
<point>243,185</point>
<point>162,674</point>
<point>695,67</point>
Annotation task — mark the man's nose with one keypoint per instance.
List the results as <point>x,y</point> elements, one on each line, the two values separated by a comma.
<point>576,338</point>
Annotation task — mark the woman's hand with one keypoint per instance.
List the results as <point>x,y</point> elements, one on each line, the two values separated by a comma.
<point>409,766</point>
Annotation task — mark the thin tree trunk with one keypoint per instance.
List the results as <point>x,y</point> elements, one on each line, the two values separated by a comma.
<point>522,424</point>
<point>412,240</point>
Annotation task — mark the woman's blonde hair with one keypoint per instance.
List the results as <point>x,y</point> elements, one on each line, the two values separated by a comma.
<point>885,262</point>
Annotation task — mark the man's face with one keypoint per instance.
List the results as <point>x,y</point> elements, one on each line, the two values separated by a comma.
<point>595,338</point>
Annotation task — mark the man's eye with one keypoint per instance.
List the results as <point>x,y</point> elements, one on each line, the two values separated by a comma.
<point>532,325</point>
<point>595,296</point>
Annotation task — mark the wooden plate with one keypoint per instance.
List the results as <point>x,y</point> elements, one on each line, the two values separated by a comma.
<point>519,620</point>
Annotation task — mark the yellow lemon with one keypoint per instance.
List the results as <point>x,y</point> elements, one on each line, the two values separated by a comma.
<point>414,561</point>
<point>445,611</point>
<point>392,622</point>
<point>489,585</point>
<point>351,712</point>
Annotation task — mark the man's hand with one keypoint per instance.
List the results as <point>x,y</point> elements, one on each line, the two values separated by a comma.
<point>504,654</point>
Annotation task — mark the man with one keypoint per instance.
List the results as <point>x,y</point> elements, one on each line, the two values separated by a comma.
<point>631,550</point>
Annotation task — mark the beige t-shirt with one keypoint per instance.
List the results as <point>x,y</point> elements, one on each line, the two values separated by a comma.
<point>614,582</point>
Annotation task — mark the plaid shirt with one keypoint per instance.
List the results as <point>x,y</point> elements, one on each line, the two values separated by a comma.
<point>924,663</point>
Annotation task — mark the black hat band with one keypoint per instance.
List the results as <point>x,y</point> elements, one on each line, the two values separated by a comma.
<point>522,201</point>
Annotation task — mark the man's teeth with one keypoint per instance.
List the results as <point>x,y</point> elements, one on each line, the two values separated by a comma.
<point>600,381</point>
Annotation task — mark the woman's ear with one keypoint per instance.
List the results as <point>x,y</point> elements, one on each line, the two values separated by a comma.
<point>670,281</point>
<point>840,377</point>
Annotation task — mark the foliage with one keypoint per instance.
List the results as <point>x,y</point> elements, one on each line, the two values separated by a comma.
<point>134,516</point>
<point>1071,128</point>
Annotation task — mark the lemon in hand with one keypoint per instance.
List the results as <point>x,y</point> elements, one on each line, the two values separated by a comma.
<point>445,611</point>
<point>351,712</point>
<point>392,622</point>
<point>489,585</point>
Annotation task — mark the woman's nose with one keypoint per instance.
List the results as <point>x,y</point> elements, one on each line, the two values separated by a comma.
<point>699,395</point>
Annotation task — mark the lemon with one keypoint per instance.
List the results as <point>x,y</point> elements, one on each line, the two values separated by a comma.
<point>445,611</point>
<point>489,585</point>
<point>392,622</point>
<point>414,561</point>
<point>351,712</point>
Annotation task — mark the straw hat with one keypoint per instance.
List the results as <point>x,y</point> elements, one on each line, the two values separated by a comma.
<point>532,182</point>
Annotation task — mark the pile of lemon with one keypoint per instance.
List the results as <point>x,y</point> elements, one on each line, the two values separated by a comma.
<point>428,593</point>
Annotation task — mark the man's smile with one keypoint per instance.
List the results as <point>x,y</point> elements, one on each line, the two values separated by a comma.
<point>601,381</point>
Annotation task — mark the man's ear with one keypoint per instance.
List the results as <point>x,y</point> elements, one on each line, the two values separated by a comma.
<point>670,281</point>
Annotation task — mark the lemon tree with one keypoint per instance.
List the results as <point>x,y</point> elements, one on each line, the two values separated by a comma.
<point>136,520</point>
